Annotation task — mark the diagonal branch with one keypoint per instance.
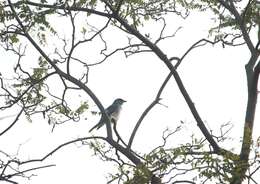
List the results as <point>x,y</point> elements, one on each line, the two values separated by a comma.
<point>12,124</point>
<point>232,9</point>
<point>156,101</point>
<point>58,148</point>
<point>175,74</point>
<point>63,74</point>
<point>28,170</point>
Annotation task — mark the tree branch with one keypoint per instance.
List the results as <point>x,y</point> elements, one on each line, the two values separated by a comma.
<point>156,100</point>
<point>63,74</point>
<point>248,128</point>
<point>58,148</point>
<point>63,7</point>
<point>13,123</point>
<point>175,74</point>
<point>232,9</point>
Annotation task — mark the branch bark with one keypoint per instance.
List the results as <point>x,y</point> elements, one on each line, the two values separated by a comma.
<point>232,9</point>
<point>156,100</point>
<point>175,74</point>
<point>242,165</point>
<point>63,7</point>
<point>13,123</point>
<point>63,74</point>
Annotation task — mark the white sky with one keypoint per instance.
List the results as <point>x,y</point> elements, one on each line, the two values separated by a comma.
<point>213,76</point>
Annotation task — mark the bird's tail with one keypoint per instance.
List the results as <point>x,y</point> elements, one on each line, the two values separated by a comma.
<point>96,126</point>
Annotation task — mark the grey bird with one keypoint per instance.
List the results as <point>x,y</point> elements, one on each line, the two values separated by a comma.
<point>113,112</point>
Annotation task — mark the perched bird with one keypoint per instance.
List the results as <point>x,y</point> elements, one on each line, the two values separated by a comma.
<point>113,112</point>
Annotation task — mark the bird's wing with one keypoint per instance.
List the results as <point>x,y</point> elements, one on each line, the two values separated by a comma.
<point>98,125</point>
<point>112,108</point>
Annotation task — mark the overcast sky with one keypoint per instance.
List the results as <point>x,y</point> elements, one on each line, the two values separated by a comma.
<point>213,76</point>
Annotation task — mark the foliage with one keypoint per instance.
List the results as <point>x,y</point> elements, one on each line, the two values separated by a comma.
<point>28,26</point>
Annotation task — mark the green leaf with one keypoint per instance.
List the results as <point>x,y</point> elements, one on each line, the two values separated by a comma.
<point>14,38</point>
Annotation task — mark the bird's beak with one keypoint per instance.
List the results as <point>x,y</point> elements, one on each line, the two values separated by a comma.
<point>124,100</point>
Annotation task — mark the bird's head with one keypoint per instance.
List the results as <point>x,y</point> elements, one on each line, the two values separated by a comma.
<point>119,101</point>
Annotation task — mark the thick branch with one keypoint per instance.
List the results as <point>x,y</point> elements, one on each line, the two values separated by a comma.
<point>232,9</point>
<point>243,165</point>
<point>125,151</point>
<point>175,74</point>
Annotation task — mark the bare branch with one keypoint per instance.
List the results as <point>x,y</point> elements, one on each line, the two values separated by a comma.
<point>175,74</point>
<point>231,7</point>
<point>12,124</point>
<point>156,101</point>
<point>63,74</point>
<point>64,7</point>
<point>58,148</point>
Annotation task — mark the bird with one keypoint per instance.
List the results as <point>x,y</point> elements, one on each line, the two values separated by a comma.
<point>113,112</point>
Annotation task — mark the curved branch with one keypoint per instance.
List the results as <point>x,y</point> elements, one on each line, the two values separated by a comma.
<point>232,9</point>
<point>63,74</point>
<point>175,74</point>
<point>59,147</point>
<point>16,99</point>
<point>193,46</point>
<point>156,100</point>
<point>28,170</point>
